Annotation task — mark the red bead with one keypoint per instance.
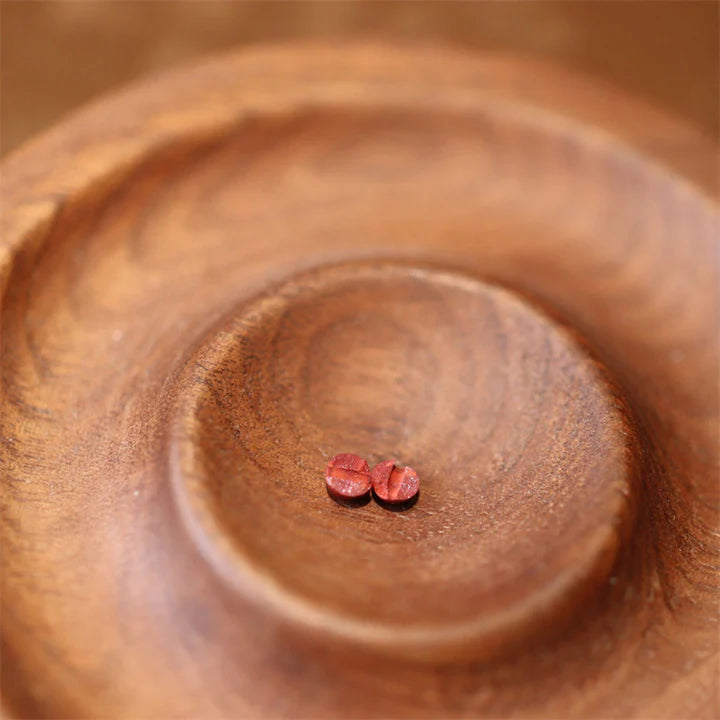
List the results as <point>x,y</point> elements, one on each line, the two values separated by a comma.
<point>394,484</point>
<point>348,476</point>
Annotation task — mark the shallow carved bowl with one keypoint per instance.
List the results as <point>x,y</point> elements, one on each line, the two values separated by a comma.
<point>496,272</point>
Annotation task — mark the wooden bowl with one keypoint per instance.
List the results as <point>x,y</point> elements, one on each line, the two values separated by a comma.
<point>486,268</point>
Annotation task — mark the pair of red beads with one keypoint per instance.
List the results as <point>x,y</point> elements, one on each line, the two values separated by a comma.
<point>348,476</point>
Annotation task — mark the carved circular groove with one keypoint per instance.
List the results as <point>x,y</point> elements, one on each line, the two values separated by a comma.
<point>522,447</point>
<point>143,222</point>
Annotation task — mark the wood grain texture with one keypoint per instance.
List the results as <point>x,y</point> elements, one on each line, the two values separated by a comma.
<point>57,54</point>
<point>489,269</point>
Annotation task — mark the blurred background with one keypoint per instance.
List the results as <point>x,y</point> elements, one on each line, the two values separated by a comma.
<point>58,54</point>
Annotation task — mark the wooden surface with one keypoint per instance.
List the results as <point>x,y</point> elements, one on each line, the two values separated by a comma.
<point>490,269</point>
<point>56,54</point>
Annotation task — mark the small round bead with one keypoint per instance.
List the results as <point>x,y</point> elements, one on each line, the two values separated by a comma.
<point>348,476</point>
<point>394,484</point>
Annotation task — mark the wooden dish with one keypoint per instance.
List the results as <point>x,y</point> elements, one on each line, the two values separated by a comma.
<point>487,268</point>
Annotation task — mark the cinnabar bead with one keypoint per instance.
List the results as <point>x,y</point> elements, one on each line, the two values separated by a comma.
<point>348,476</point>
<point>393,483</point>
